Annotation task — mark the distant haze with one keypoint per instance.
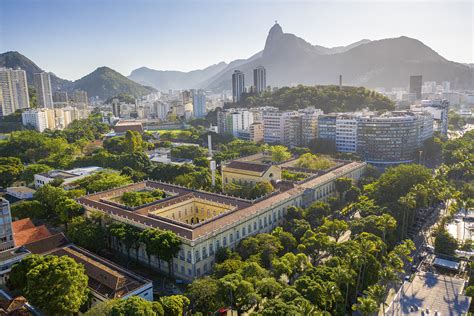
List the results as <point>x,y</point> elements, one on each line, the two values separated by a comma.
<point>72,38</point>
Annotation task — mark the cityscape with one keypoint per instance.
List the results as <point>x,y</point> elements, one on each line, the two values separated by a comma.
<point>307,179</point>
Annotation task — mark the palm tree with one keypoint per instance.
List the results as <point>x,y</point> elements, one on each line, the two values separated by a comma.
<point>366,306</point>
<point>377,292</point>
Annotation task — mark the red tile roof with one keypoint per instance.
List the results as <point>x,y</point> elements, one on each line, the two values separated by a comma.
<point>30,235</point>
<point>22,224</point>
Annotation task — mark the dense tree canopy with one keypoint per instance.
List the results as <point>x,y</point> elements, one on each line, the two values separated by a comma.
<point>327,98</point>
<point>55,285</point>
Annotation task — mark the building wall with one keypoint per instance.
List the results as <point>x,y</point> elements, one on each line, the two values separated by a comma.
<point>230,175</point>
<point>6,231</point>
<point>196,257</point>
<point>192,211</point>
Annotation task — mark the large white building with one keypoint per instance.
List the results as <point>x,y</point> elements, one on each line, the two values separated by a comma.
<point>44,91</point>
<point>346,133</point>
<point>13,91</point>
<point>232,120</point>
<point>38,118</point>
<point>439,110</point>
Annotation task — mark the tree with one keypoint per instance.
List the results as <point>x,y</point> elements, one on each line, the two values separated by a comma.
<point>10,170</point>
<point>174,305</point>
<point>56,285</point>
<point>377,293</point>
<point>132,142</point>
<point>170,244</point>
<point>136,305</point>
<point>366,306</point>
<point>280,153</point>
<point>314,162</point>
<point>342,186</point>
<point>29,209</point>
<point>445,243</point>
<point>32,169</point>
<point>66,209</point>
<point>315,213</point>
<point>84,232</point>
<point>204,295</point>
<point>150,237</point>
<point>334,228</point>
<point>101,181</point>
<point>268,287</point>
<point>261,189</point>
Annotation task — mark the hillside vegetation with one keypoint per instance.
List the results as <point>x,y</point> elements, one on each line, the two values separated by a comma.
<point>326,98</point>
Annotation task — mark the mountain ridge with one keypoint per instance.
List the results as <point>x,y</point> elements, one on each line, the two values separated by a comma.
<point>103,82</point>
<point>388,63</point>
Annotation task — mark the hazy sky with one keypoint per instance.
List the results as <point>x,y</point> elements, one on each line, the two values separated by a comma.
<point>73,37</point>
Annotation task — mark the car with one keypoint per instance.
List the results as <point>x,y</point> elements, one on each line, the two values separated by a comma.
<point>407,278</point>
<point>429,248</point>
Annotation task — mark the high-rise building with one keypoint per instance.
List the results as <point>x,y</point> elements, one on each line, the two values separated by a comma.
<point>446,86</point>
<point>309,124</point>
<point>238,85</point>
<point>116,107</point>
<point>199,104</point>
<point>13,91</point>
<point>259,79</point>
<point>80,99</point>
<point>6,231</point>
<point>280,126</point>
<point>44,92</point>
<point>393,137</point>
<point>439,110</point>
<point>416,83</point>
<point>60,97</point>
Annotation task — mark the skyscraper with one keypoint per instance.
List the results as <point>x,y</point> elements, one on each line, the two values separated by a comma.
<point>416,83</point>
<point>6,232</point>
<point>238,85</point>
<point>44,92</point>
<point>80,99</point>
<point>199,104</point>
<point>259,79</point>
<point>13,91</point>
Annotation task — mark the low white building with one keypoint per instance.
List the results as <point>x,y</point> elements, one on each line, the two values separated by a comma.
<point>38,118</point>
<point>21,193</point>
<point>67,176</point>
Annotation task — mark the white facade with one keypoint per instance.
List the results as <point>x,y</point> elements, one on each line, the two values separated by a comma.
<point>38,118</point>
<point>346,134</point>
<point>276,126</point>
<point>68,176</point>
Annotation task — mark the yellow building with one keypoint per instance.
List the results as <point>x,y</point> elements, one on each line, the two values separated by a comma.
<point>244,172</point>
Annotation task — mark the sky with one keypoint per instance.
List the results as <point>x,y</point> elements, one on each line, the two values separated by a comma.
<point>73,37</point>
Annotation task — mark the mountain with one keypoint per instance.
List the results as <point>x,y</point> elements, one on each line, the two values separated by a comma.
<point>16,60</point>
<point>103,82</point>
<point>290,60</point>
<point>175,80</point>
<point>388,63</point>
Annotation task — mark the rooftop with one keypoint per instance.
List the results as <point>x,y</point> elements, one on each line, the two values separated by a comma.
<point>105,277</point>
<point>24,231</point>
<point>428,291</point>
<point>235,209</point>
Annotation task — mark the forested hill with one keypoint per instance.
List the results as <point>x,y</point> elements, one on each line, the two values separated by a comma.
<point>326,98</point>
